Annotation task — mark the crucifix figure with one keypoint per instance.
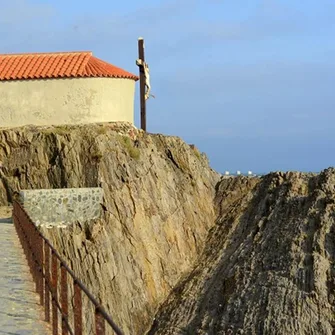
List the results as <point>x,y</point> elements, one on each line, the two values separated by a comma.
<point>144,81</point>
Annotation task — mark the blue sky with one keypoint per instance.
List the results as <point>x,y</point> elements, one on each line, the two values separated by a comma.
<point>251,83</point>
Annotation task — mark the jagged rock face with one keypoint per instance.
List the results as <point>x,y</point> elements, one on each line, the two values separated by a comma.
<point>268,266</point>
<point>231,256</point>
<point>158,208</point>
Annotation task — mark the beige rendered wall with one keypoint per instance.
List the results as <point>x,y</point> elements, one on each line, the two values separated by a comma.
<point>66,101</point>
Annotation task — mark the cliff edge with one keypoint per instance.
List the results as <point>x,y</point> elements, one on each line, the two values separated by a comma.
<point>268,263</point>
<point>180,249</point>
<point>157,207</point>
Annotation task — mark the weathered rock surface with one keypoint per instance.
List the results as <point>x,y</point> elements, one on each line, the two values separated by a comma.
<point>179,250</point>
<point>268,265</point>
<point>158,208</point>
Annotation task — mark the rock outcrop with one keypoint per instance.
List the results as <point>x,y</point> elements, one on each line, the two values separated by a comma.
<point>268,265</point>
<point>180,249</point>
<point>157,209</point>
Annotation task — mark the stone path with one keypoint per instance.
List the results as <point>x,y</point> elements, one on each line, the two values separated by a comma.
<point>20,312</point>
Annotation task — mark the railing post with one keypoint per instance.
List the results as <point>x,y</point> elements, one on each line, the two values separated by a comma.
<point>99,323</point>
<point>64,299</point>
<point>47,281</point>
<point>27,245</point>
<point>54,274</point>
<point>78,318</point>
<point>34,256</point>
<point>41,267</point>
<point>32,261</point>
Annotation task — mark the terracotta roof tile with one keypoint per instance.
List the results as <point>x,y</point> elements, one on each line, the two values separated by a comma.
<point>57,65</point>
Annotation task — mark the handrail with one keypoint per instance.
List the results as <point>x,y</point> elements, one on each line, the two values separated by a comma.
<point>37,249</point>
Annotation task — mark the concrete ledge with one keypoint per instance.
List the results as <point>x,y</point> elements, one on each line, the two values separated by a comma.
<point>61,207</point>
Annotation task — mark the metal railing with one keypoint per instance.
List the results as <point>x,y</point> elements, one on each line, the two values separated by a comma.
<point>41,255</point>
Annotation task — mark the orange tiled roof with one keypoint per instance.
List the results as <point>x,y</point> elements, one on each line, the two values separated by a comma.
<point>57,65</point>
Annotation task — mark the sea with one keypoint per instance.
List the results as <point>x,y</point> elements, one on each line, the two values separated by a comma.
<point>243,173</point>
<point>251,173</point>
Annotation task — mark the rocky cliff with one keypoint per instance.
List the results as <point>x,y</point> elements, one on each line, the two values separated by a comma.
<point>268,263</point>
<point>180,249</point>
<point>157,209</point>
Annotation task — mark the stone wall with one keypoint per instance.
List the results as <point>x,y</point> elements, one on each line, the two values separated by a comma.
<point>61,207</point>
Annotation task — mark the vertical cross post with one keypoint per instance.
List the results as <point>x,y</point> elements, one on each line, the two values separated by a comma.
<point>142,84</point>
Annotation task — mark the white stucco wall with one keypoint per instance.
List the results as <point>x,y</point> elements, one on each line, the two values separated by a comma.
<point>66,101</point>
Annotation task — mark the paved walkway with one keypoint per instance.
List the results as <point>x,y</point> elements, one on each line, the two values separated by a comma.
<point>20,312</point>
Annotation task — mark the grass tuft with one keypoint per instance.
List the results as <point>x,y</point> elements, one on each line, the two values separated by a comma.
<point>129,146</point>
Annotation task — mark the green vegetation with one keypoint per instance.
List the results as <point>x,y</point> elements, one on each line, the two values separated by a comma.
<point>101,130</point>
<point>59,130</point>
<point>129,146</point>
<point>197,153</point>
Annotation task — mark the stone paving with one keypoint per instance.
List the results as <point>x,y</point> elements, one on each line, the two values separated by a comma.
<point>20,312</point>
